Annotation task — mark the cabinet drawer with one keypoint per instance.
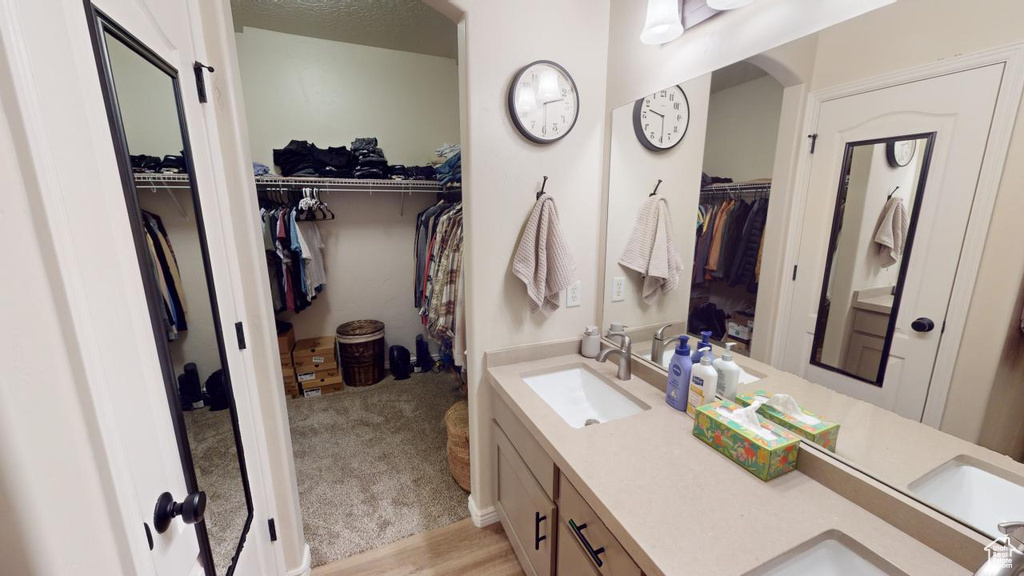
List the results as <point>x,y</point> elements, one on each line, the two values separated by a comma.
<point>590,531</point>
<point>872,323</point>
<point>540,464</point>
<point>572,560</point>
<point>526,513</point>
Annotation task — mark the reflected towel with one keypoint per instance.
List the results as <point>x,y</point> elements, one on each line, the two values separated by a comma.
<point>892,230</point>
<point>543,260</point>
<point>651,251</point>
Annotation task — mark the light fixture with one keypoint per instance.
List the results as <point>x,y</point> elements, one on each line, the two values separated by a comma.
<point>727,4</point>
<point>663,22</point>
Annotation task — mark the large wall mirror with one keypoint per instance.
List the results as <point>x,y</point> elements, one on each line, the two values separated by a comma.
<point>822,238</point>
<point>151,141</point>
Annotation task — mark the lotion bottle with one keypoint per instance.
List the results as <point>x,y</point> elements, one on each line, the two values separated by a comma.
<point>679,368</point>
<point>703,383</point>
<point>728,373</point>
<point>705,343</point>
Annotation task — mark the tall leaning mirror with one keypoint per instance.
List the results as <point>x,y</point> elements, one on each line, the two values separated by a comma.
<point>821,214</point>
<point>151,141</point>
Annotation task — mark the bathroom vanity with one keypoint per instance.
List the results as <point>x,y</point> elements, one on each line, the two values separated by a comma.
<point>637,493</point>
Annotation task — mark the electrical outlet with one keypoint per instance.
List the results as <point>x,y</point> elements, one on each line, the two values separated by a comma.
<point>618,289</point>
<point>572,294</point>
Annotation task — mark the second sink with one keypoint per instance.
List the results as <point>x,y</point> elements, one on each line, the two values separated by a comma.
<point>578,394</point>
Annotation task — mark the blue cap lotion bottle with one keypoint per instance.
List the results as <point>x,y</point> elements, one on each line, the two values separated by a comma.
<point>679,369</point>
<point>705,342</point>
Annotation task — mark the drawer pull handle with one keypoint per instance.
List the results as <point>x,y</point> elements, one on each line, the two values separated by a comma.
<point>537,536</point>
<point>594,554</point>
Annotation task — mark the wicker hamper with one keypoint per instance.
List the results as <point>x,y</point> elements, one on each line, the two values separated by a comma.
<point>361,347</point>
<point>456,421</point>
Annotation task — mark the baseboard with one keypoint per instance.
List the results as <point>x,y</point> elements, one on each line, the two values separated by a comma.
<point>306,568</point>
<point>484,517</point>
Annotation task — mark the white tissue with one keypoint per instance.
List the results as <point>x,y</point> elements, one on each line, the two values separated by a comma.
<point>747,417</point>
<point>787,405</point>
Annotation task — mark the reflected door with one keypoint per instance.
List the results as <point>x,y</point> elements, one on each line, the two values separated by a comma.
<point>891,187</point>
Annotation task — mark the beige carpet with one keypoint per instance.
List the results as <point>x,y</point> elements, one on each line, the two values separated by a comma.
<point>371,467</point>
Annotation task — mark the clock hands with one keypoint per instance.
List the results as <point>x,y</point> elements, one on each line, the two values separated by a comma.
<point>545,106</point>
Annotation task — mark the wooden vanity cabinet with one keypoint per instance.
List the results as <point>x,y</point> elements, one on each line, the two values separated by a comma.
<point>527,514</point>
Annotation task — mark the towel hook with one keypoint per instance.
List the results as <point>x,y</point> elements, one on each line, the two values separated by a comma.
<point>542,185</point>
<point>891,193</point>
<point>656,188</point>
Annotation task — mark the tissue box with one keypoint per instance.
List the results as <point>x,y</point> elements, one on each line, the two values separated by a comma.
<point>824,434</point>
<point>762,457</point>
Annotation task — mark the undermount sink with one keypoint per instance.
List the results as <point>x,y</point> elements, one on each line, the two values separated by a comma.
<point>830,554</point>
<point>980,498</point>
<point>666,357</point>
<point>578,395</point>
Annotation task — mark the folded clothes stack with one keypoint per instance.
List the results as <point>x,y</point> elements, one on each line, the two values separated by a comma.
<point>171,164</point>
<point>363,159</point>
<point>300,158</point>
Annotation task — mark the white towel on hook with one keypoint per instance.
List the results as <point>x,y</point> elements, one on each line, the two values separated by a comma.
<point>651,250</point>
<point>543,260</point>
<point>892,230</point>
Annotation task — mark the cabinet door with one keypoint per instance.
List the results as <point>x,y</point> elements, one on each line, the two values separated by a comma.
<point>526,513</point>
<point>572,560</point>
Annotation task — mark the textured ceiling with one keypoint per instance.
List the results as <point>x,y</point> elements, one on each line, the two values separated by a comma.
<point>734,75</point>
<point>408,25</point>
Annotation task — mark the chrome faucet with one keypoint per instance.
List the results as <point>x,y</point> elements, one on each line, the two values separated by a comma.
<point>659,343</point>
<point>625,354</point>
<point>1002,565</point>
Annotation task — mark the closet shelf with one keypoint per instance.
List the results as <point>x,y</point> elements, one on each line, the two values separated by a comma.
<point>280,183</point>
<point>162,181</point>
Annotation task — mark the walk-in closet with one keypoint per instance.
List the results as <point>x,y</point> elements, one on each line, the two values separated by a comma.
<point>739,156</point>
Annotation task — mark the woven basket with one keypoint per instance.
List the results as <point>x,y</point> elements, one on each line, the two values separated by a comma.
<point>361,347</point>
<point>456,422</point>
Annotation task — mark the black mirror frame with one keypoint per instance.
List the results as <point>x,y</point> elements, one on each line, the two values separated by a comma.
<point>99,25</point>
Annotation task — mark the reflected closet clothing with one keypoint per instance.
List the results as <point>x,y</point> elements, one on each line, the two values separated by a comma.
<point>166,273</point>
<point>729,242</point>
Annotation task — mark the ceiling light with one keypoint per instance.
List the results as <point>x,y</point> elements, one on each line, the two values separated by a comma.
<point>663,22</point>
<point>727,4</point>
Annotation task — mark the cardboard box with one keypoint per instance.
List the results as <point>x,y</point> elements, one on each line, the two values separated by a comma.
<point>318,376</point>
<point>286,341</point>
<point>740,330</point>
<point>314,363</point>
<point>320,347</point>
<point>824,434</point>
<point>763,457</point>
<point>292,391</point>
<point>322,389</point>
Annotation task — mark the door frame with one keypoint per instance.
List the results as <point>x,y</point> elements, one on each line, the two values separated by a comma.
<point>1003,121</point>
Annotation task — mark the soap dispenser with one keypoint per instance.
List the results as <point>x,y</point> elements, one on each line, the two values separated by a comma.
<point>705,342</point>
<point>679,368</point>
<point>703,383</point>
<point>728,373</point>
<point>591,345</point>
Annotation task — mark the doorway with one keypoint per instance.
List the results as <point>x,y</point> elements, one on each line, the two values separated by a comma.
<point>890,194</point>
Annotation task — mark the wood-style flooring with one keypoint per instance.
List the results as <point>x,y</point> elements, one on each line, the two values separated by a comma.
<point>460,548</point>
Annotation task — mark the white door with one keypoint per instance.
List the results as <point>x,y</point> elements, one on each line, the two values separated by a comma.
<point>860,298</point>
<point>68,151</point>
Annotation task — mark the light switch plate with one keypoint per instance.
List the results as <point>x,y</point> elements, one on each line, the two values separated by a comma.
<point>618,289</point>
<point>572,294</point>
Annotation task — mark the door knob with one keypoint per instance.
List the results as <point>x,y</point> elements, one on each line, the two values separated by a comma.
<point>190,509</point>
<point>923,325</point>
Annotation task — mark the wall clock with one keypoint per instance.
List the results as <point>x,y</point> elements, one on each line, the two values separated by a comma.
<point>543,102</point>
<point>661,119</point>
<point>900,153</point>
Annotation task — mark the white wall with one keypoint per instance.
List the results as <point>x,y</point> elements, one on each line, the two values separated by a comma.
<point>329,93</point>
<point>633,171</point>
<point>743,125</point>
<point>504,170</point>
<point>199,343</point>
<point>141,89</point>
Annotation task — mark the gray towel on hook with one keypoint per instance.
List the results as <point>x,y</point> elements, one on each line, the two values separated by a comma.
<point>651,250</point>
<point>891,234</point>
<point>543,260</point>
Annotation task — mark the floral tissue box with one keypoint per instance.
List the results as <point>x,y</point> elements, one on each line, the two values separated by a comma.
<point>767,455</point>
<point>824,433</point>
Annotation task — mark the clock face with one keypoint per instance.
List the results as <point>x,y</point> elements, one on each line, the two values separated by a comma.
<point>661,119</point>
<point>543,102</point>
<point>901,153</point>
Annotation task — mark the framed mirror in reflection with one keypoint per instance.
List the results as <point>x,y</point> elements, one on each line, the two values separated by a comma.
<point>143,99</point>
<point>876,210</point>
